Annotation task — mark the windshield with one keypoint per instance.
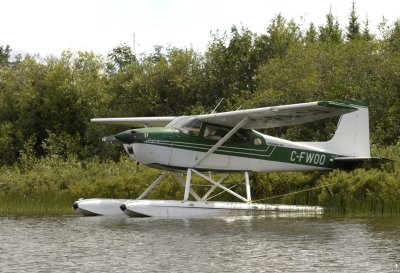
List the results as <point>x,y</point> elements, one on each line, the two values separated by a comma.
<point>187,125</point>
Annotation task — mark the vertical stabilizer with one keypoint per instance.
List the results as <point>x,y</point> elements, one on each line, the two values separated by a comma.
<point>352,134</point>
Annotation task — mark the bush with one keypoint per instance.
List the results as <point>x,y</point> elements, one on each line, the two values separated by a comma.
<point>52,182</point>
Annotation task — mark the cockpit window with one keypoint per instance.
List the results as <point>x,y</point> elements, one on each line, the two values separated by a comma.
<point>244,137</point>
<point>241,137</point>
<point>186,125</point>
<point>191,126</point>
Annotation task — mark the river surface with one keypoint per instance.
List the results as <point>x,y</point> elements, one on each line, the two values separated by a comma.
<point>240,244</point>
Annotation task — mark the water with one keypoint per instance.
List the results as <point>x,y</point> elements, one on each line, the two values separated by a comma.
<point>243,244</point>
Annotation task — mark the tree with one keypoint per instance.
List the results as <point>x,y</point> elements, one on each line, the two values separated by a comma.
<point>394,36</point>
<point>121,56</point>
<point>311,34</point>
<point>241,59</point>
<point>5,55</point>
<point>162,83</point>
<point>229,66</point>
<point>353,28</point>
<point>19,102</point>
<point>330,32</point>
<point>282,35</point>
<point>366,34</point>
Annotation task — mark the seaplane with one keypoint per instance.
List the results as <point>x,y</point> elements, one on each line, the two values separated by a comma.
<point>225,142</point>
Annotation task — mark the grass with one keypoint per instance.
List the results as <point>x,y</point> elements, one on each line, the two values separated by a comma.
<point>38,205</point>
<point>50,185</point>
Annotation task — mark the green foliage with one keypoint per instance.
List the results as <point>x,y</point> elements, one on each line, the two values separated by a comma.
<point>282,35</point>
<point>394,37</point>
<point>311,34</point>
<point>55,97</point>
<point>330,32</point>
<point>5,55</point>
<point>286,188</point>
<point>321,71</point>
<point>120,56</point>
<point>353,28</point>
<point>362,191</point>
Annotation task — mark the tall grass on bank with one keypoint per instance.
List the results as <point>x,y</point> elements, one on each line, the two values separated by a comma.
<point>36,205</point>
<point>361,191</point>
<point>50,185</point>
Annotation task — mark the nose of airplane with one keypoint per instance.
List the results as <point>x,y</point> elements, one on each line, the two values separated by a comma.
<point>75,206</point>
<point>123,207</point>
<point>129,136</point>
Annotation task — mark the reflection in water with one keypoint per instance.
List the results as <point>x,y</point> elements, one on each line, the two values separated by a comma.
<point>239,244</point>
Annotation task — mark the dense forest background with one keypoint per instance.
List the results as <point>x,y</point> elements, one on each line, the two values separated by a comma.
<point>46,103</point>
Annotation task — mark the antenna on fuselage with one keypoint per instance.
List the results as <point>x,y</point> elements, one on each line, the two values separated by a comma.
<point>215,109</point>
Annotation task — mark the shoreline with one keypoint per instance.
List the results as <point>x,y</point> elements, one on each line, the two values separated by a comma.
<point>50,185</point>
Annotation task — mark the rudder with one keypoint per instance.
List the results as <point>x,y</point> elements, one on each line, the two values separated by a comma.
<point>351,138</point>
<point>352,134</point>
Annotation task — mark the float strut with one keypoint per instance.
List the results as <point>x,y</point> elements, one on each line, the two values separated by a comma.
<point>187,185</point>
<point>247,181</point>
<point>158,180</point>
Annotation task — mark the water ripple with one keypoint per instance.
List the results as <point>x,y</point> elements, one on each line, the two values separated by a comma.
<point>247,244</point>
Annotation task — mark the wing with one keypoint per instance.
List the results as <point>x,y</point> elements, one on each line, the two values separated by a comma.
<point>265,117</point>
<point>136,121</point>
<point>284,115</point>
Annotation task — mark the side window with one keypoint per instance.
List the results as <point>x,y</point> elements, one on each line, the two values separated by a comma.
<point>246,137</point>
<point>192,127</point>
<point>241,138</point>
<point>214,132</point>
<point>257,141</point>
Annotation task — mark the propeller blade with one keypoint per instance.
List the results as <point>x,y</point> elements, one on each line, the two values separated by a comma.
<point>109,138</point>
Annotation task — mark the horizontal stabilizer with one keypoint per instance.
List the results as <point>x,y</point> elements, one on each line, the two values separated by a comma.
<point>357,162</point>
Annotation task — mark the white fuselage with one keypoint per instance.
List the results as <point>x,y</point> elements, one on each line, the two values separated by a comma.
<point>169,156</point>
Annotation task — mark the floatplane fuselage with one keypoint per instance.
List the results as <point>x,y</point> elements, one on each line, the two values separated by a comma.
<point>228,142</point>
<point>248,150</point>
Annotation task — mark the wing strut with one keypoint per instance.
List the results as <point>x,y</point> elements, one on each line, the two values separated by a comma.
<point>221,142</point>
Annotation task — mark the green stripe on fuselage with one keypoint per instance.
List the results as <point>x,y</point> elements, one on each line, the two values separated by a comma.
<point>168,137</point>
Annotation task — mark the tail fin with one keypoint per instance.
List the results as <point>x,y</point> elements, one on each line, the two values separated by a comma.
<point>352,134</point>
